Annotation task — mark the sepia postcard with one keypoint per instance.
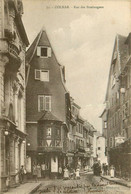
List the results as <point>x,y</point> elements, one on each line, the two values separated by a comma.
<point>65,96</point>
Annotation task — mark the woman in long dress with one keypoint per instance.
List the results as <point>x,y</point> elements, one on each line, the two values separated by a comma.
<point>112,171</point>
<point>38,171</point>
<point>66,174</point>
<point>77,173</point>
<point>35,172</point>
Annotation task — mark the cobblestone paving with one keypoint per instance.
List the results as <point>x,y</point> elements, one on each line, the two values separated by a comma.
<point>87,184</point>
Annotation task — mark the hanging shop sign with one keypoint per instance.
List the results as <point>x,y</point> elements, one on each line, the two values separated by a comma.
<point>119,140</point>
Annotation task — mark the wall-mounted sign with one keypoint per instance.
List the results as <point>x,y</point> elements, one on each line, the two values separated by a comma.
<point>119,140</point>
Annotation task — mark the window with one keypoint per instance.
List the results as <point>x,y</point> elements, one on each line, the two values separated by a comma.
<point>43,51</point>
<point>44,103</point>
<point>77,128</point>
<point>99,148</point>
<point>111,142</point>
<point>105,124</point>
<point>42,75</point>
<point>48,132</point>
<point>57,132</point>
<point>74,110</point>
<point>127,112</point>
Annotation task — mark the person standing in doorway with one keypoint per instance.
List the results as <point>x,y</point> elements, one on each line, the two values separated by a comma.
<point>78,173</point>
<point>38,171</point>
<point>66,174</point>
<point>35,173</point>
<point>43,169</point>
<point>21,174</point>
<point>112,171</point>
<point>60,172</point>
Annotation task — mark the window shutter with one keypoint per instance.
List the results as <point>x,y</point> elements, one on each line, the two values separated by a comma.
<point>49,52</point>
<point>37,74</point>
<point>39,51</point>
<point>40,103</point>
<point>48,103</point>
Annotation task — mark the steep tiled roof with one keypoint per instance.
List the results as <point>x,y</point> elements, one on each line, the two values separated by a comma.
<point>40,40</point>
<point>30,52</point>
<point>89,126</point>
<point>123,55</point>
<point>122,50</point>
<point>48,116</point>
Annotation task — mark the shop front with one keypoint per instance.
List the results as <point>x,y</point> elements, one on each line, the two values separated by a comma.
<point>120,158</point>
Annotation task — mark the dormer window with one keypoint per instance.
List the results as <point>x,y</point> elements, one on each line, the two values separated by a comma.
<point>43,51</point>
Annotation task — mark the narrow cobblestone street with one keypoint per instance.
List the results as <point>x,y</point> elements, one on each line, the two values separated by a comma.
<point>87,184</point>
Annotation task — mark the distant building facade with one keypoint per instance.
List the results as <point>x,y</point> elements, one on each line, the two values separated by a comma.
<point>101,149</point>
<point>80,152</point>
<point>118,108</point>
<point>90,143</point>
<point>103,116</point>
<point>48,107</point>
<point>13,42</point>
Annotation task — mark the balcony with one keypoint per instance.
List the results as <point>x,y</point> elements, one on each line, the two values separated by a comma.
<point>80,148</point>
<point>12,50</point>
<point>14,59</point>
<point>50,149</point>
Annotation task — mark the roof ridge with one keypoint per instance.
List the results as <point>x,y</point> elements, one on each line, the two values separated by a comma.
<point>39,35</point>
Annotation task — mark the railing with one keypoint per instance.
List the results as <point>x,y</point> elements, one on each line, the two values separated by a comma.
<point>13,50</point>
<point>50,149</point>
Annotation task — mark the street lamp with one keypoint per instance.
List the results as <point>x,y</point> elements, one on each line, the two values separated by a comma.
<point>6,132</point>
<point>23,141</point>
<point>28,144</point>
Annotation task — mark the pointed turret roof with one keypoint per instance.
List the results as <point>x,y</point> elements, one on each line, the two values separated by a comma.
<point>123,50</point>
<point>31,51</point>
<point>48,116</point>
<point>40,40</point>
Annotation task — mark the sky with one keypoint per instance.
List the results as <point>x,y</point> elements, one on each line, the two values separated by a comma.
<point>82,34</point>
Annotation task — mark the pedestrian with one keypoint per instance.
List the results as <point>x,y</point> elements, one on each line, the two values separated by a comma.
<point>60,172</point>
<point>99,168</point>
<point>72,173</point>
<point>94,168</point>
<point>43,170</point>
<point>21,174</point>
<point>112,171</point>
<point>35,173</point>
<point>103,166</point>
<point>106,169</point>
<point>78,173</point>
<point>66,174</point>
<point>38,171</point>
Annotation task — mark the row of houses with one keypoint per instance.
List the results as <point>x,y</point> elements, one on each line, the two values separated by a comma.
<point>39,121</point>
<point>116,117</point>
